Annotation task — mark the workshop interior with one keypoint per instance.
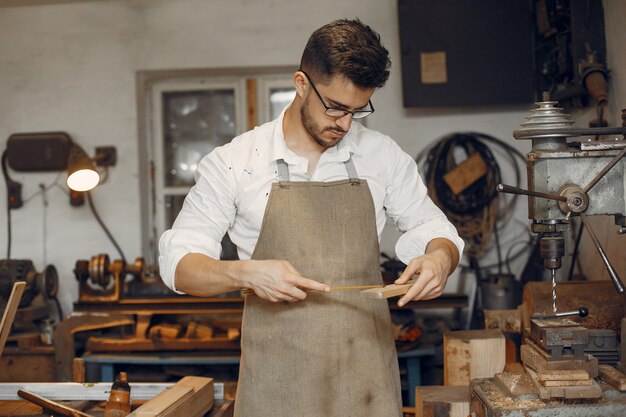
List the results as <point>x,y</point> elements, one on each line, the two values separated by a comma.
<point>515,113</point>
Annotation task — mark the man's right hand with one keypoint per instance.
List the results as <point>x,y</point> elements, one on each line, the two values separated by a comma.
<point>278,281</point>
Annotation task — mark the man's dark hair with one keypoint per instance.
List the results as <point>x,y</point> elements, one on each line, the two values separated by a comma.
<point>348,48</point>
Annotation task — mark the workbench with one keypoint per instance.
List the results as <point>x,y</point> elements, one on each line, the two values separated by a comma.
<point>103,369</point>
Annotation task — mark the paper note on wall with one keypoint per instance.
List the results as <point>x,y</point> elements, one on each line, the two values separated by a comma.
<point>433,68</point>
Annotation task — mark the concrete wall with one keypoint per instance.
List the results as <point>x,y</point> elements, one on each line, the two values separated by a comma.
<point>70,65</point>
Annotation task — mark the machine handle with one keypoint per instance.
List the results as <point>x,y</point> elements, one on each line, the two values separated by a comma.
<point>509,189</point>
<point>581,312</point>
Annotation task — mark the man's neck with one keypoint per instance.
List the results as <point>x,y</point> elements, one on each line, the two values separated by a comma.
<point>298,139</point>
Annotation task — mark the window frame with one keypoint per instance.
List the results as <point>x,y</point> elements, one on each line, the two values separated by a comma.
<point>252,85</point>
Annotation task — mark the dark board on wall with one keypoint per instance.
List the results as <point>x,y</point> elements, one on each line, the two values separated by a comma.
<point>466,53</point>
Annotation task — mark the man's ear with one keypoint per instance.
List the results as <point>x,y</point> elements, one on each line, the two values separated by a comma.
<point>299,82</point>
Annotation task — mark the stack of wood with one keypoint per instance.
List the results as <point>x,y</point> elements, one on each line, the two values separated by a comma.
<point>554,358</point>
<point>190,397</point>
<point>169,336</point>
<point>568,384</point>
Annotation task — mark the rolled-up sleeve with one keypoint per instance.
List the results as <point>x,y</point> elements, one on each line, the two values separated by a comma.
<point>207,213</point>
<point>411,210</point>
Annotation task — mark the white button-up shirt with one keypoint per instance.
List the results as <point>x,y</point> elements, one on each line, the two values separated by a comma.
<point>233,184</point>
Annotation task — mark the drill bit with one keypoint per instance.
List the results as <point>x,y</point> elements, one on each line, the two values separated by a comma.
<point>553,272</point>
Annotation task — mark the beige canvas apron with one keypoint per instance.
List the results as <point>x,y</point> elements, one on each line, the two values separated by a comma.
<point>333,354</point>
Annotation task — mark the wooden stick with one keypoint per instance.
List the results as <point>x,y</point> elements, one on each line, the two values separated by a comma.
<point>9,312</point>
<point>51,405</point>
<point>345,288</point>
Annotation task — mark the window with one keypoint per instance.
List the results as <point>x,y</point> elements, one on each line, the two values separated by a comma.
<point>185,118</point>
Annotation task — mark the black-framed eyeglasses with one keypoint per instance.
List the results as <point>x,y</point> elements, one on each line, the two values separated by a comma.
<point>338,112</point>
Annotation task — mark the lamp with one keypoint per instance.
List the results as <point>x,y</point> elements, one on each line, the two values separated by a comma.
<point>81,172</point>
<point>56,151</point>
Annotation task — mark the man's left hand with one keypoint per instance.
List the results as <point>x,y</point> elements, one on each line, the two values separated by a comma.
<point>432,269</point>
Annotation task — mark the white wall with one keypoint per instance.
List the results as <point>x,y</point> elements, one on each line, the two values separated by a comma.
<point>71,65</point>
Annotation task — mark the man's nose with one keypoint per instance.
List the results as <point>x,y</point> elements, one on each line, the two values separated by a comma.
<point>344,122</point>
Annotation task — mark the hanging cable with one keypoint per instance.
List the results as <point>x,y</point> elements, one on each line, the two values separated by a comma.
<point>7,181</point>
<point>476,209</point>
<point>106,230</point>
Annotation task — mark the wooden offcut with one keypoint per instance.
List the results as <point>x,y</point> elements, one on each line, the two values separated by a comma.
<point>472,354</point>
<point>388,291</point>
<point>563,375</point>
<point>442,401</point>
<point>466,173</point>
<point>165,331</point>
<point>613,377</point>
<point>192,396</point>
<point>9,312</point>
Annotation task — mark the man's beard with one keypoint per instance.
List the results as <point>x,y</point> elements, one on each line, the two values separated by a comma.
<point>314,130</point>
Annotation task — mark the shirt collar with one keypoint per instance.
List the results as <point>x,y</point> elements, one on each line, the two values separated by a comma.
<point>340,152</point>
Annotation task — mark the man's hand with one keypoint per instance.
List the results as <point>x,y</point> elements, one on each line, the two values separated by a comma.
<point>278,281</point>
<point>433,269</point>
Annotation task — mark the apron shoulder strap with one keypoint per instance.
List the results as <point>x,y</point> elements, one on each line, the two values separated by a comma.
<point>352,174</point>
<point>283,173</point>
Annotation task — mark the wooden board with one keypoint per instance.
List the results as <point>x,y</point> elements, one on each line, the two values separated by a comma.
<point>563,375</point>
<point>442,401</point>
<point>612,376</point>
<point>9,312</point>
<point>388,291</point>
<point>29,366</point>
<point>97,344</point>
<point>190,397</point>
<point>472,354</point>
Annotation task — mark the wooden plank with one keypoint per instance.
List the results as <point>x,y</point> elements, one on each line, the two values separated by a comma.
<point>473,354</point>
<point>29,366</point>
<point>388,291</point>
<point>190,397</point>
<point>576,383</point>
<point>612,376</point>
<point>78,370</point>
<point>563,375</point>
<point>170,398</point>
<point>9,312</point>
<point>442,401</point>
<point>19,408</point>
<point>96,344</point>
